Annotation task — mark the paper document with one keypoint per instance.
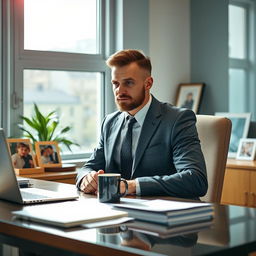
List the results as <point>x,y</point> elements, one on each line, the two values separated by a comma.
<point>69,214</point>
<point>160,205</point>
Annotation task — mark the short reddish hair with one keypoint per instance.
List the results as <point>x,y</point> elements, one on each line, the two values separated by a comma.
<point>125,57</point>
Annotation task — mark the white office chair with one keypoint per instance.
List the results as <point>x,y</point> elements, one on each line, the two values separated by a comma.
<point>214,134</point>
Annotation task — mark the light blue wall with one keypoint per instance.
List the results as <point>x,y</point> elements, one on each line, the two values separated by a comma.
<point>169,46</point>
<point>209,52</point>
<point>130,31</point>
<point>132,27</point>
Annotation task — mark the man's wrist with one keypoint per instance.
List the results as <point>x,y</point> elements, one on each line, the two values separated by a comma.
<point>131,186</point>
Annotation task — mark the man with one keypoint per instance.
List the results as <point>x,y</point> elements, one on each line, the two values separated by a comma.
<point>166,152</point>
<point>45,158</point>
<point>52,155</point>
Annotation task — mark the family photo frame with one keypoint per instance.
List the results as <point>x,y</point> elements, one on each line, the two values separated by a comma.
<point>189,96</point>
<point>48,154</point>
<point>240,128</point>
<point>246,149</point>
<point>23,159</point>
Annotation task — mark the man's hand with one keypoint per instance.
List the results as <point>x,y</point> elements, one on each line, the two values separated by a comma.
<point>131,187</point>
<point>89,184</point>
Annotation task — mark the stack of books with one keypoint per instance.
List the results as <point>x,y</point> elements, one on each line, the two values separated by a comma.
<point>164,217</point>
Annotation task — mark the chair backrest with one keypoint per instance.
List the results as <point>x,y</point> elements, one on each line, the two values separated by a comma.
<point>214,134</point>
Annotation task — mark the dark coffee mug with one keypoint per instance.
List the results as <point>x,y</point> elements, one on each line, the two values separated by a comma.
<point>109,187</point>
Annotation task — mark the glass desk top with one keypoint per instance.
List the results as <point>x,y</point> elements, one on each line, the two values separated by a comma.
<point>233,231</point>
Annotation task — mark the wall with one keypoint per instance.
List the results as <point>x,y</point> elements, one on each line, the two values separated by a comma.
<point>132,25</point>
<point>131,31</point>
<point>169,46</point>
<point>187,41</point>
<point>209,52</point>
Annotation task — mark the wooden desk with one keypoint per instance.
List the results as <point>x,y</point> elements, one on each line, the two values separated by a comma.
<point>223,238</point>
<point>239,186</point>
<point>63,177</point>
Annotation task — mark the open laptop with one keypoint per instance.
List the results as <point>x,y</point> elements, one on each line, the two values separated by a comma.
<point>10,189</point>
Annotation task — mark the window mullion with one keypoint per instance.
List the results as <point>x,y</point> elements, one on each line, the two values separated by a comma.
<point>239,63</point>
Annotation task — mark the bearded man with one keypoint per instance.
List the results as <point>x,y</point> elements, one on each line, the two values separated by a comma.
<point>153,145</point>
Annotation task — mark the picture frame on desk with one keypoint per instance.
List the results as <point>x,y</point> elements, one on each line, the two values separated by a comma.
<point>240,128</point>
<point>22,156</point>
<point>48,154</point>
<point>246,149</point>
<point>189,95</point>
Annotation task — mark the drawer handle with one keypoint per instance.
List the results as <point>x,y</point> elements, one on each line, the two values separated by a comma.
<point>254,199</point>
<point>246,198</point>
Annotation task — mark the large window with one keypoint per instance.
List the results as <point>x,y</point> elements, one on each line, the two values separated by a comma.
<point>74,95</point>
<point>237,31</point>
<point>241,56</point>
<point>56,58</point>
<point>63,26</point>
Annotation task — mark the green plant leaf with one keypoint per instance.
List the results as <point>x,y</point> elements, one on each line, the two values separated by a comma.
<point>52,129</point>
<point>64,130</point>
<point>32,124</point>
<point>45,128</point>
<point>29,134</point>
<point>42,120</point>
<point>66,142</point>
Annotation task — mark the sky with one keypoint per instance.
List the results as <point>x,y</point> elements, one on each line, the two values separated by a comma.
<point>58,24</point>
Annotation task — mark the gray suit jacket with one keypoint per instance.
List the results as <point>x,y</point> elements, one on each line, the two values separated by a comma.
<point>168,159</point>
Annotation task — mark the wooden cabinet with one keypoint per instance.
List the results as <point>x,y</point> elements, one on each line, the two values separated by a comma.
<point>253,188</point>
<point>239,186</point>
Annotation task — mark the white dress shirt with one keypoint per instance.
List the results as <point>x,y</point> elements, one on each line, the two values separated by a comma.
<point>140,117</point>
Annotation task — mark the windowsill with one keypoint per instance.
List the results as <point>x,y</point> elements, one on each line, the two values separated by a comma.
<point>78,162</point>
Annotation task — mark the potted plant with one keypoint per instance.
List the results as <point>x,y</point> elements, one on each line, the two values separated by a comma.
<point>45,128</point>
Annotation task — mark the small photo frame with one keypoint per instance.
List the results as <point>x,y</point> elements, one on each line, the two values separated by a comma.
<point>48,154</point>
<point>246,149</point>
<point>240,128</point>
<point>22,154</point>
<point>189,96</point>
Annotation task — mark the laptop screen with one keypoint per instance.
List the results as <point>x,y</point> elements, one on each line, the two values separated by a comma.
<point>9,188</point>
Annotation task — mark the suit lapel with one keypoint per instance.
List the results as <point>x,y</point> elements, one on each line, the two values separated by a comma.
<point>114,132</point>
<point>149,127</point>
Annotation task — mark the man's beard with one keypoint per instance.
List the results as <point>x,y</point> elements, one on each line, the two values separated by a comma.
<point>125,106</point>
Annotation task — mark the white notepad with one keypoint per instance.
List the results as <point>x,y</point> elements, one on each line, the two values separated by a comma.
<point>69,214</point>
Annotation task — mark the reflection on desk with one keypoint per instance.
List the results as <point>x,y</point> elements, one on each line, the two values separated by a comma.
<point>233,233</point>
<point>219,235</point>
<point>123,236</point>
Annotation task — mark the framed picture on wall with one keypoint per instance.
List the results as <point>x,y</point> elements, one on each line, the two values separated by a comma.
<point>246,149</point>
<point>240,128</point>
<point>189,96</point>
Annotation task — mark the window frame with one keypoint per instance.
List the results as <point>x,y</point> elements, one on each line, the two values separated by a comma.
<point>246,64</point>
<point>18,59</point>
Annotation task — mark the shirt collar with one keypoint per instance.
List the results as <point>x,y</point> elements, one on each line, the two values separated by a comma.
<point>141,114</point>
